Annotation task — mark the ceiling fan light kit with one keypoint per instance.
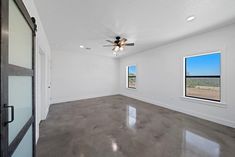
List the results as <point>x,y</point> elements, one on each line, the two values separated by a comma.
<point>118,44</point>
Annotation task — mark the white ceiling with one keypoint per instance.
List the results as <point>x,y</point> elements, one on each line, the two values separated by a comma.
<point>148,23</point>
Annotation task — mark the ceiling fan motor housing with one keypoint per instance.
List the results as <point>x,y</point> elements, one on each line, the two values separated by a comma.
<point>118,44</point>
<point>118,38</point>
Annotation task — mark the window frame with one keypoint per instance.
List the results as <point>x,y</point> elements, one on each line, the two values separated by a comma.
<point>201,76</point>
<point>127,77</point>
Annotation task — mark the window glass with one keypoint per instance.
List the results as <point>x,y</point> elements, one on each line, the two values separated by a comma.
<point>202,76</point>
<point>132,76</point>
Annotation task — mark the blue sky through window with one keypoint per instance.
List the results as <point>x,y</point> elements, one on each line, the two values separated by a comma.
<point>132,69</point>
<point>204,65</point>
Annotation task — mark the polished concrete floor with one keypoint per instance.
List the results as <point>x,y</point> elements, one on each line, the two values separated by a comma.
<point>118,126</point>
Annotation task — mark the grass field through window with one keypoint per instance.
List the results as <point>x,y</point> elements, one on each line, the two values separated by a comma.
<point>207,88</point>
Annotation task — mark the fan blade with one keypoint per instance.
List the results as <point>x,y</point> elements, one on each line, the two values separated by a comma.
<point>110,41</point>
<point>108,45</point>
<point>124,39</point>
<point>129,44</point>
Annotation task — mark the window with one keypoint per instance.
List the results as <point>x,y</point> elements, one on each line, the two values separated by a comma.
<point>131,77</point>
<point>202,76</point>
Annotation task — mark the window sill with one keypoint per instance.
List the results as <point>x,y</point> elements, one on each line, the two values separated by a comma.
<point>130,88</point>
<point>206,102</point>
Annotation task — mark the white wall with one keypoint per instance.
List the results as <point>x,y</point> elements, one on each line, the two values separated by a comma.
<point>160,75</point>
<point>41,44</point>
<point>81,75</point>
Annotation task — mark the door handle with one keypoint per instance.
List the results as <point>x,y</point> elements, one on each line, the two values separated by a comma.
<point>12,114</point>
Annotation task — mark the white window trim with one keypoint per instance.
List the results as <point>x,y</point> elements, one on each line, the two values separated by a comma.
<point>223,78</point>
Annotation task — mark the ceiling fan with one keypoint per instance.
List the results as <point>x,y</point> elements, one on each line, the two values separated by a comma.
<point>118,44</point>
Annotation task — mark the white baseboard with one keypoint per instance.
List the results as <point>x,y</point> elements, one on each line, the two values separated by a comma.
<point>188,112</point>
<point>154,102</point>
<point>57,100</point>
<point>46,113</point>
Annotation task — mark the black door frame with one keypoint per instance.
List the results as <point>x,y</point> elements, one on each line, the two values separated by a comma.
<point>13,70</point>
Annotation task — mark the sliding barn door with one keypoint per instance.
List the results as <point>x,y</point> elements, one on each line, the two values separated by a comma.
<point>17,80</point>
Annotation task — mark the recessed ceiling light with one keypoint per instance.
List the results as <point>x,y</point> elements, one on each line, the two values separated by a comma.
<point>191,18</point>
<point>81,46</point>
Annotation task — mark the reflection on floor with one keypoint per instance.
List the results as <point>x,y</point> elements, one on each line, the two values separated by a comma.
<point>131,116</point>
<point>118,126</point>
<point>199,145</point>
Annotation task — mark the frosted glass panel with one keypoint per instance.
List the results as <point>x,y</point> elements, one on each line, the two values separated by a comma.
<point>20,96</point>
<point>25,148</point>
<point>20,38</point>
